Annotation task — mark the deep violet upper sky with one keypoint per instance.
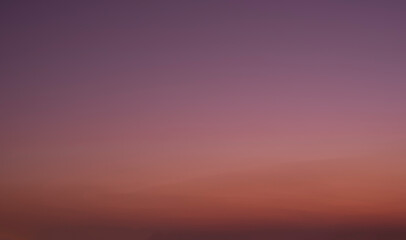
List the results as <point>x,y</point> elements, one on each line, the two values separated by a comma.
<point>162,113</point>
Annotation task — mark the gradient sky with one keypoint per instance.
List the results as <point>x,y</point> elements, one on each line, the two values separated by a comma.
<point>196,113</point>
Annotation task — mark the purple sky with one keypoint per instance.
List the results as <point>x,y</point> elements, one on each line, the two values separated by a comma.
<point>109,98</point>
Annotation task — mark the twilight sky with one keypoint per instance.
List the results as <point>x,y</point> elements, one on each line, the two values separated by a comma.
<point>168,114</point>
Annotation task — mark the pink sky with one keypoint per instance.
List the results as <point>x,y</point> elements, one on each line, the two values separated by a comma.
<point>196,113</point>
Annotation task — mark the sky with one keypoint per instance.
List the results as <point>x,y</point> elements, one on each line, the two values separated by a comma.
<point>131,118</point>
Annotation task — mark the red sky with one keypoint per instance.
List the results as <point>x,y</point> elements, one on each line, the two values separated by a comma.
<point>164,114</point>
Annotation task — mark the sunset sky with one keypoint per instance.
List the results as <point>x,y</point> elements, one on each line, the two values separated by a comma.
<point>211,114</point>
